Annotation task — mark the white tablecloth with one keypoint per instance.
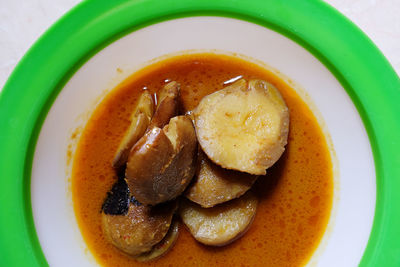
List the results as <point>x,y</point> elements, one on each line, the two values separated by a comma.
<point>23,21</point>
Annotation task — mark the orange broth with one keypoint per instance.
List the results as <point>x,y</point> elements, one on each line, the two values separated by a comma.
<point>295,195</point>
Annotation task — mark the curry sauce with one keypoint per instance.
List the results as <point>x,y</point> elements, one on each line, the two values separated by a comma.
<point>295,197</point>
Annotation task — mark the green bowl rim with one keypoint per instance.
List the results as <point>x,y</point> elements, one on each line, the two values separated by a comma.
<point>355,61</point>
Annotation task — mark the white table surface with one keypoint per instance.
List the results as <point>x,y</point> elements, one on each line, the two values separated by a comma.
<point>23,21</point>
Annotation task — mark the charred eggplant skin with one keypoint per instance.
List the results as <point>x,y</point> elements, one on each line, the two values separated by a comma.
<point>118,198</point>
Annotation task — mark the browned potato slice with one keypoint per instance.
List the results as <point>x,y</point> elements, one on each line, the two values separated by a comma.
<point>167,105</point>
<point>162,162</point>
<point>140,229</point>
<point>244,126</point>
<point>222,224</point>
<point>140,119</point>
<point>164,246</point>
<point>213,185</point>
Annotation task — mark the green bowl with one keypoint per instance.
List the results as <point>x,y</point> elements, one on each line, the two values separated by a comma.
<point>36,82</point>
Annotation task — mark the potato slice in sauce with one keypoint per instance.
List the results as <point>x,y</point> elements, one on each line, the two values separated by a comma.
<point>140,119</point>
<point>244,126</point>
<point>213,184</point>
<point>222,224</point>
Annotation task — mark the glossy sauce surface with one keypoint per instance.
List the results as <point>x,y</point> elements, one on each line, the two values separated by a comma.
<point>295,195</point>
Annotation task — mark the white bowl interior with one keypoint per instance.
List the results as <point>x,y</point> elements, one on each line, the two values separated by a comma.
<point>354,205</point>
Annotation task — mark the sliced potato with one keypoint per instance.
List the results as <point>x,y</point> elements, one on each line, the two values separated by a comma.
<point>164,246</point>
<point>140,119</point>
<point>244,126</point>
<point>222,224</point>
<point>213,185</point>
<point>162,162</point>
<point>140,229</point>
<point>167,105</point>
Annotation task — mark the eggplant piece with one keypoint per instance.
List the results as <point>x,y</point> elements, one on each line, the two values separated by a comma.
<point>162,162</point>
<point>164,246</point>
<point>167,105</point>
<point>140,119</point>
<point>140,229</point>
